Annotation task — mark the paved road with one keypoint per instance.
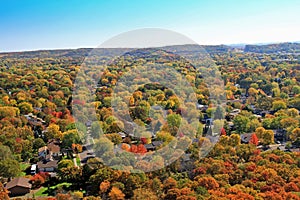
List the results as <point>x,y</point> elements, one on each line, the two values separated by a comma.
<point>89,152</point>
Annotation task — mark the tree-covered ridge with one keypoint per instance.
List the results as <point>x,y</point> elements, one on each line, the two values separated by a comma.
<point>274,48</point>
<point>287,47</point>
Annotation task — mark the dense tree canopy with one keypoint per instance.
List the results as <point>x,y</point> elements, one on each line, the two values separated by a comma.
<point>263,100</point>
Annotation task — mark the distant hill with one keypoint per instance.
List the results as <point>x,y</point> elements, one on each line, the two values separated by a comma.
<point>180,49</point>
<point>287,47</point>
<point>46,53</point>
<point>83,52</point>
<point>199,48</point>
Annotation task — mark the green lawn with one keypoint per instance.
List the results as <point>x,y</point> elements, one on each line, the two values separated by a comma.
<point>23,167</point>
<point>45,192</point>
<point>78,160</point>
<point>42,192</point>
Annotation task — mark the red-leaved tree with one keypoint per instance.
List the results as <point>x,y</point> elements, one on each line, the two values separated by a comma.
<point>254,139</point>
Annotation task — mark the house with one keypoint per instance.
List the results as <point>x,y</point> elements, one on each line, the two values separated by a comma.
<point>200,106</point>
<point>33,119</point>
<point>245,138</point>
<point>264,113</point>
<point>38,109</point>
<point>149,147</point>
<point>203,119</point>
<point>157,143</point>
<point>195,140</point>
<point>43,151</point>
<point>186,157</point>
<point>88,124</point>
<point>280,135</point>
<point>122,134</point>
<point>18,186</point>
<point>153,146</point>
<point>234,112</point>
<point>54,148</point>
<point>209,121</point>
<point>47,166</point>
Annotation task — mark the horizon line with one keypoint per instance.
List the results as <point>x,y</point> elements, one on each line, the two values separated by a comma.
<point>87,47</point>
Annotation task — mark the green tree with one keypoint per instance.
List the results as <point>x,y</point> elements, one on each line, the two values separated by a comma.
<point>263,102</point>
<point>38,143</point>
<point>52,132</point>
<point>234,140</point>
<point>26,152</point>
<point>293,112</point>
<point>25,107</point>
<point>174,122</point>
<point>9,168</point>
<point>71,137</point>
<point>295,134</point>
<point>240,123</point>
<point>96,129</point>
<point>219,113</point>
<point>65,164</point>
<point>278,104</point>
<point>8,111</point>
<point>267,137</point>
<point>245,151</point>
<point>5,152</point>
<point>114,137</point>
<point>103,145</point>
<point>141,111</point>
<point>296,89</point>
<point>253,124</point>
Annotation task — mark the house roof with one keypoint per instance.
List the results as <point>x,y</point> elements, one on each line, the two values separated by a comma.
<point>21,182</point>
<point>149,147</point>
<point>43,164</point>
<point>44,148</point>
<point>54,141</point>
<point>122,134</point>
<point>157,143</point>
<point>53,148</point>
<point>246,137</point>
<point>186,157</point>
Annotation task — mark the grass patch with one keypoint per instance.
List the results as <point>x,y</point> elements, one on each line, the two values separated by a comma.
<point>61,185</point>
<point>22,174</point>
<point>23,167</point>
<point>45,191</point>
<point>78,160</point>
<point>42,192</point>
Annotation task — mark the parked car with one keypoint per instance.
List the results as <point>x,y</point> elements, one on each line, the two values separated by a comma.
<point>33,169</point>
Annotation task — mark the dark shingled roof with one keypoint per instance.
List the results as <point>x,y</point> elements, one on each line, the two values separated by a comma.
<point>43,164</point>
<point>21,182</point>
<point>246,137</point>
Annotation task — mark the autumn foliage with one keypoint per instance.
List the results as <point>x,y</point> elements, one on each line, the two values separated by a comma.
<point>140,149</point>
<point>254,139</point>
<point>116,194</point>
<point>38,180</point>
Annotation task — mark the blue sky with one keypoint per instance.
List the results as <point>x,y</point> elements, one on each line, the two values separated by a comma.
<point>32,24</point>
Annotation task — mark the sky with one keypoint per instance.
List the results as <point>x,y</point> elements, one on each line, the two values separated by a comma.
<point>61,24</point>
